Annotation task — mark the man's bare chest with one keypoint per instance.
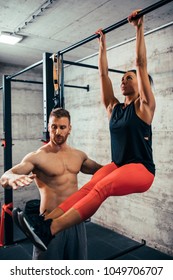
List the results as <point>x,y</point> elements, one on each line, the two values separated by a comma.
<point>59,164</point>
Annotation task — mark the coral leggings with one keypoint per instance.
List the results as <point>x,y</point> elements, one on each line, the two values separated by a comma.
<point>110,180</point>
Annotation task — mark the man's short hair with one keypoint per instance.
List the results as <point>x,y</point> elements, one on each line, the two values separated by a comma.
<point>60,113</point>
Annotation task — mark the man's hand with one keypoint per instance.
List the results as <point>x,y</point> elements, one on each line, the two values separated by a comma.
<point>16,181</point>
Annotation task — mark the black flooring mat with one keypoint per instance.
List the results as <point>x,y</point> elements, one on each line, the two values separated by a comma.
<point>103,244</point>
<point>107,244</point>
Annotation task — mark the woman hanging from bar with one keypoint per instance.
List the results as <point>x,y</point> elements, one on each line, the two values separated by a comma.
<point>132,169</point>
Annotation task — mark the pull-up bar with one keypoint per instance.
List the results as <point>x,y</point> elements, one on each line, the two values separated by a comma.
<point>114,26</point>
<point>90,66</point>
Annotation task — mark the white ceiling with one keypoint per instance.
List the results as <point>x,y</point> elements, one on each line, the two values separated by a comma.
<point>65,22</point>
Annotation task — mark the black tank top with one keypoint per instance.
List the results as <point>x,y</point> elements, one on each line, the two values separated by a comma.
<point>131,138</point>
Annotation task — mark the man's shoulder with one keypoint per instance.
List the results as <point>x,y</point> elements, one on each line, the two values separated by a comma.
<point>78,152</point>
<point>32,154</point>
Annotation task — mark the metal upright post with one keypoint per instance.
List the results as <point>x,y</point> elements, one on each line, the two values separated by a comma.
<point>7,126</point>
<point>62,84</point>
<point>48,92</point>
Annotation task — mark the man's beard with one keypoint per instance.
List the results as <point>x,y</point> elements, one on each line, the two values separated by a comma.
<point>59,140</point>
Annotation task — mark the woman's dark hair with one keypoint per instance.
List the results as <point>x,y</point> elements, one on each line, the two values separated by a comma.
<point>150,78</point>
<point>60,113</point>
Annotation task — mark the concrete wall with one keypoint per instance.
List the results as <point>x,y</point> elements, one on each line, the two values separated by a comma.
<point>140,216</point>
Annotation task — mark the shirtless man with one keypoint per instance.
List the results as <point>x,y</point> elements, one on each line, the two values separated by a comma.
<point>54,168</point>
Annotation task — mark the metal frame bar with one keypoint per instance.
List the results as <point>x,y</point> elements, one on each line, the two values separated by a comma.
<point>48,93</point>
<point>73,86</point>
<point>7,131</point>
<point>62,101</point>
<point>41,83</point>
<point>25,69</point>
<point>127,251</point>
<point>90,66</point>
<point>26,81</point>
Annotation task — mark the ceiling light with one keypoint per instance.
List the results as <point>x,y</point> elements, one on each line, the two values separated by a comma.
<point>9,38</point>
